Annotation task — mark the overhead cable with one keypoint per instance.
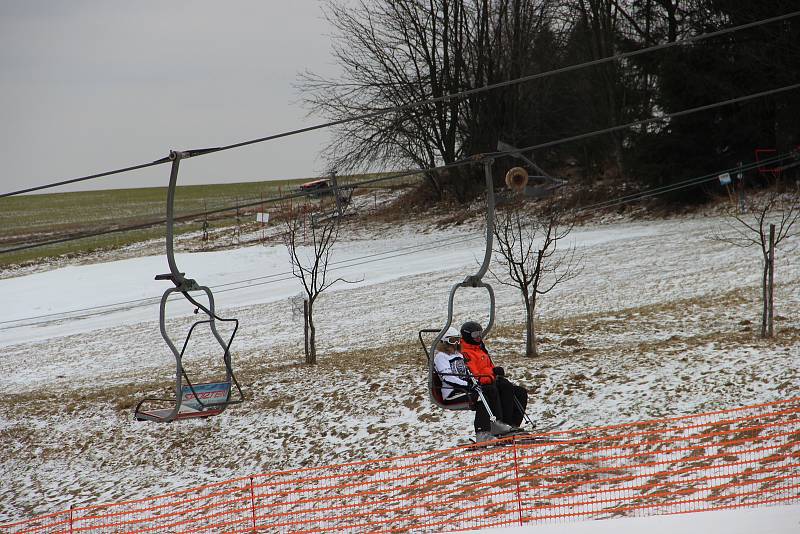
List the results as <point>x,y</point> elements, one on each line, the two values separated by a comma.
<point>86,235</point>
<point>411,105</point>
<point>260,280</point>
<point>397,252</point>
<point>85,178</point>
<point>683,184</point>
<point>661,118</point>
<point>507,83</point>
<point>402,174</point>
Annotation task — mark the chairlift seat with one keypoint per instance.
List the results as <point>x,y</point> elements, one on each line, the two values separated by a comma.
<point>214,397</point>
<point>459,401</point>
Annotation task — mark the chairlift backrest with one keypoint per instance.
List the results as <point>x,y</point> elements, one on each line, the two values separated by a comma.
<point>435,381</point>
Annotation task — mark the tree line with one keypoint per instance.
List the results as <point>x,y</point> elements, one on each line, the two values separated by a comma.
<point>395,52</point>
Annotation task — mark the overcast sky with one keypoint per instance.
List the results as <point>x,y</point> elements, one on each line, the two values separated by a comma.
<point>94,85</point>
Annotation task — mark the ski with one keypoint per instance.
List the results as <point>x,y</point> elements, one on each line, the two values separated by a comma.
<point>522,435</point>
<point>519,438</point>
<point>536,430</point>
<point>498,441</point>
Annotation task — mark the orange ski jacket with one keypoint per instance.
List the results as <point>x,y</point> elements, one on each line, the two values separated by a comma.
<point>478,362</point>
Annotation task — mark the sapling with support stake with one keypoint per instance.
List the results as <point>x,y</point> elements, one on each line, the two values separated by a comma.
<point>309,256</point>
<point>769,219</point>
<point>529,257</point>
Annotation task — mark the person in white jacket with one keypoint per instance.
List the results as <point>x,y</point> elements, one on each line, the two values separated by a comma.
<point>450,364</point>
<point>457,382</point>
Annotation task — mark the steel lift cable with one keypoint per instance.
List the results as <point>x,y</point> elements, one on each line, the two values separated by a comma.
<point>453,96</point>
<point>691,182</point>
<point>86,235</point>
<point>651,120</point>
<point>413,248</point>
<point>532,148</point>
<point>507,83</point>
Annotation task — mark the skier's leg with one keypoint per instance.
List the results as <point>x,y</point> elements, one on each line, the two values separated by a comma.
<point>520,397</point>
<point>505,390</point>
<point>482,423</point>
<point>492,395</point>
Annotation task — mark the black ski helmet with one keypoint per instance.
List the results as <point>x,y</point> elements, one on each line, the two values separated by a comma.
<point>467,330</point>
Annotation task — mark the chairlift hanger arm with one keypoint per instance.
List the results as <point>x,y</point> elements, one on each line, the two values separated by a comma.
<point>474,281</point>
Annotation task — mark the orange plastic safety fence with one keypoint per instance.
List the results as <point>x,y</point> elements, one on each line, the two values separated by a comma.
<point>747,456</point>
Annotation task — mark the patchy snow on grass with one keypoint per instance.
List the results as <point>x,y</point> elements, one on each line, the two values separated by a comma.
<point>661,321</point>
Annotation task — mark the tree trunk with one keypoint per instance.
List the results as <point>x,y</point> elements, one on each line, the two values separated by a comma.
<point>311,357</point>
<point>433,182</point>
<point>771,282</point>
<point>530,327</point>
<point>305,329</point>
<point>764,299</point>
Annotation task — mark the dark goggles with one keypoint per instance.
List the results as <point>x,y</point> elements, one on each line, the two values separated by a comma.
<point>452,340</point>
<point>477,335</point>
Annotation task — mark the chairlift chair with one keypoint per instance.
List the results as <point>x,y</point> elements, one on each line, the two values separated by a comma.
<point>190,400</point>
<point>473,281</point>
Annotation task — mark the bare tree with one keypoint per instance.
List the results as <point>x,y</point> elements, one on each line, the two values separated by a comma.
<point>393,53</point>
<point>309,241</point>
<point>767,221</point>
<point>530,257</point>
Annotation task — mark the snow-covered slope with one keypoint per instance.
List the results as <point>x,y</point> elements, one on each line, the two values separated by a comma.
<point>661,321</point>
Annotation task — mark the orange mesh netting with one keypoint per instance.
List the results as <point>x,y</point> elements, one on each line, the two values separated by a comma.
<point>742,457</point>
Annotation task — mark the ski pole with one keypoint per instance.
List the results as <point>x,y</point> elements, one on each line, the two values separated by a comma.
<point>492,418</point>
<point>524,413</point>
<point>497,427</point>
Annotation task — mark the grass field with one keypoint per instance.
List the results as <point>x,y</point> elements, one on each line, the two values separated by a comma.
<point>32,219</point>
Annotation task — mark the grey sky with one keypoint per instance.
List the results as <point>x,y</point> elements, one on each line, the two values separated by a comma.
<point>92,85</point>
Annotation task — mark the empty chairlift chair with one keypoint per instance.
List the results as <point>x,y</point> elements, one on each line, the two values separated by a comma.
<point>190,400</point>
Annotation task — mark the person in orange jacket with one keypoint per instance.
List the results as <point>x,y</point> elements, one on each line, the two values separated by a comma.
<point>513,398</point>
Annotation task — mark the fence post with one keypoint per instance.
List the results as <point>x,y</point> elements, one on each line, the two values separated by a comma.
<point>71,506</point>
<point>253,504</point>
<point>516,479</point>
